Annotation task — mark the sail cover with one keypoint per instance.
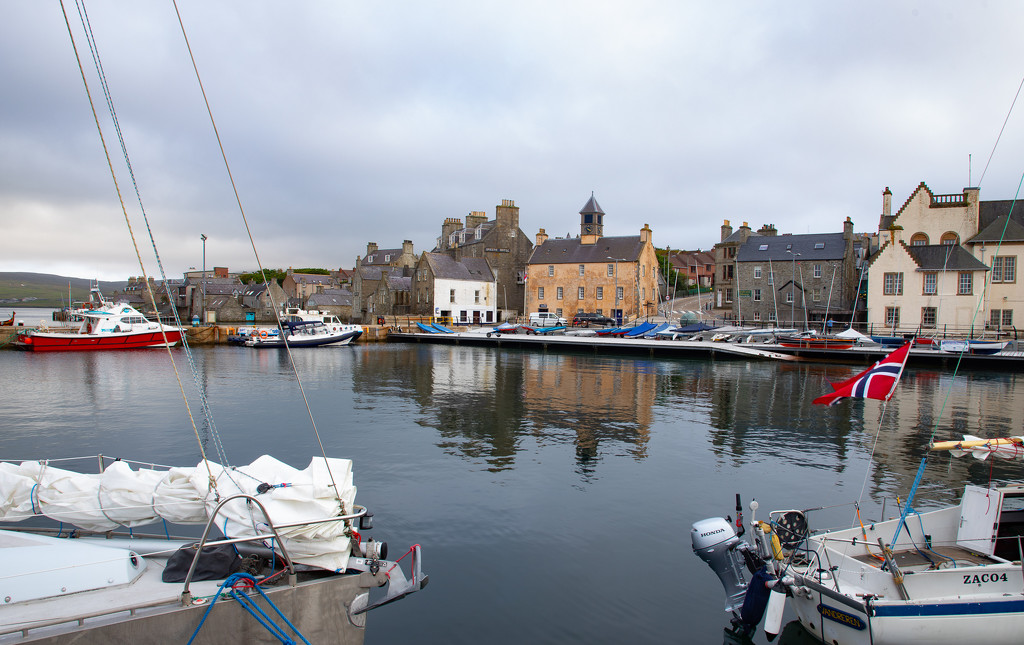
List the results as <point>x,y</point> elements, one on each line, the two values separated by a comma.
<point>123,496</point>
<point>1004,448</point>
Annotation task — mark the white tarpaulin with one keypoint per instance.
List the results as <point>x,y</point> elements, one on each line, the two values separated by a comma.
<point>121,496</point>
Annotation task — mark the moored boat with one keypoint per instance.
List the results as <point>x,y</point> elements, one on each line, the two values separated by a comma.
<point>981,347</point>
<point>304,333</point>
<point>107,325</point>
<point>816,342</point>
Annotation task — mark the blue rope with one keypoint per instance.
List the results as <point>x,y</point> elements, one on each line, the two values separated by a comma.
<point>254,610</point>
<point>910,499</point>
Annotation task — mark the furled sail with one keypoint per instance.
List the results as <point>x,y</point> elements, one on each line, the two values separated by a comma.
<point>1004,448</point>
<point>123,496</point>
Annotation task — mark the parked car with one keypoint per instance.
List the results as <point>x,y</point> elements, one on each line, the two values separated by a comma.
<point>586,320</point>
<point>546,319</point>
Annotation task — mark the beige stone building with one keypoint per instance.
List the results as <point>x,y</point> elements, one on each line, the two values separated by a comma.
<point>947,264</point>
<point>613,276</point>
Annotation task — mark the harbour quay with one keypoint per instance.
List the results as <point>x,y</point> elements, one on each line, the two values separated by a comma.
<point>655,348</point>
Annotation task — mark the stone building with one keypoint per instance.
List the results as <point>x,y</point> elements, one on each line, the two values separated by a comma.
<point>332,301</point>
<point>300,286</point>
<point>371,269</point>
<point>796,280</point>
<point>612,276</point>
<point>946,263</point>
<point>500,241</point>
<point>461,291</point>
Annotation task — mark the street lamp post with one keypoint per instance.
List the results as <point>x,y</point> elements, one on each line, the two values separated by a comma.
<point>792,302</point>
<point>203,238</point>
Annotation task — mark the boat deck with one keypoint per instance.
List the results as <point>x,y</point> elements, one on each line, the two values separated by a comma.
<point>913,559</point>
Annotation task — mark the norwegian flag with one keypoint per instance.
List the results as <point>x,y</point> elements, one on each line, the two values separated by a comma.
<point>877,382</point>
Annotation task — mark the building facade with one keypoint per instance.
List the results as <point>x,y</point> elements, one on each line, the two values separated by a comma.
<point>371,269</point>
<point>460,291</point>
<point>500,241</point>
<point>612,276</point>
<point>946,264</point>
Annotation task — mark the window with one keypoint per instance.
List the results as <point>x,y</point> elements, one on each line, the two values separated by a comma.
<point>928,316</point>
<point>950,237</point>
<point>892,284</point>
<point>551,270</point>
<point>618,294</point>
<point>771,278</point>
<point>757,295</point>
<point>1004,268</point>
<point>540,293</point>
<point>819,245</point>
<point>771,316</point>
<point>817,270</point>
<point>558,293</point>
<point>757,316</point>
<point>1001,318</point>
<point>965,284</point>
<point>918,239</point>
<point>581,270</point>
<point>476,296</point>
<point>728,295</point>
<point>816,295</point>
<point>757,273</point>
<point>763,247</point>
<point>581,295</point>
<point>451,296</point>
<point>930,284</point>
<point>558,312</point>
<point>600,293</point>
<point>789,297</point>
<point>611,270</point>
<point>892,317</point>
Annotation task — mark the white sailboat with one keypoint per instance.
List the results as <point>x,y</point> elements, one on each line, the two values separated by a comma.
<point>285,554</point>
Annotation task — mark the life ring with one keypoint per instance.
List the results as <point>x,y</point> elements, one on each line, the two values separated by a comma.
<point>263,333</point>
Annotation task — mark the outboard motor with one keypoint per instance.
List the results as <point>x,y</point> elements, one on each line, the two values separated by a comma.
<point>716,543</point>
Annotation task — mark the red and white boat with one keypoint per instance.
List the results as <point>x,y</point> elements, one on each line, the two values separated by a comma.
<point>105,326</point>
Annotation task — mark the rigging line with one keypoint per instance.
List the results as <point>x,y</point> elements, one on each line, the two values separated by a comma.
<point>124,210</point>
<point>200,387</point>
<point>252,242</point>
<point>1005,121</point>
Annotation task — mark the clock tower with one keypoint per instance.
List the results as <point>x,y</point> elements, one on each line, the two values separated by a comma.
<point>591,219</point>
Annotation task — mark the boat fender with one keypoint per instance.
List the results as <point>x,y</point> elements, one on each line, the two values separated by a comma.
<point>773,541</point>
<point>263,333</point>
<point>773,615</point>
<point>756,599</point>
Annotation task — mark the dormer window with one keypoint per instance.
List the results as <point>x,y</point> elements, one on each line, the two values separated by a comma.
<point>763,247</point>
<point>819,245</point>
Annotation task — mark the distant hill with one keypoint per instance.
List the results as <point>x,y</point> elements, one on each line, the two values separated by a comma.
<point>48,290</point>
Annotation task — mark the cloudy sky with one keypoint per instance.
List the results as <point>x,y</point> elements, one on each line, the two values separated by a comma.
<point>347,122</point>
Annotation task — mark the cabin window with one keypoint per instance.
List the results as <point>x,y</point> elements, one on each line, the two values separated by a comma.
<point>965,284</point>
<point>928,317</point>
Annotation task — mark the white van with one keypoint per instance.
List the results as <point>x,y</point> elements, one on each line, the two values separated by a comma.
<point>546,319</point>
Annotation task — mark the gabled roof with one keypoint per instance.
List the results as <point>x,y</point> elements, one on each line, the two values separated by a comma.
<point>782,248</point>
<point>399,283</point>
<point>330,299</point>
<point>1004,227</point>
<point>571,251</point>
<point>375,272</point>
<point>944,257</point>
<point>443,266</point>
<point>311,278</point>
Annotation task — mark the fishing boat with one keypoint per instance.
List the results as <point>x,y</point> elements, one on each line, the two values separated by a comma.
<point>10,321</point>
<point>979,347</point>
<point>107,325</point>
<point>284,554</point>
<point>946,576</point>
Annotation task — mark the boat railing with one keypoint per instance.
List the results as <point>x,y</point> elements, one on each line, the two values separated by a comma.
<point>186,595</point>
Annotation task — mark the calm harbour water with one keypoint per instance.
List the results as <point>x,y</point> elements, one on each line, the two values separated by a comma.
<point>552,493</point>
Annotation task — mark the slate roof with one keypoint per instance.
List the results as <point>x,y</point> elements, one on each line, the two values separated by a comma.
<point>777,247</point>
<point>591,206</point>
<point>375,272</point>
<point>570,251</point>
<point>377,257</point>
<point>330,299</point>
<point>443,266</point>
<point>399,283</point>
<point>944,257</point>
<point>993,224</point>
